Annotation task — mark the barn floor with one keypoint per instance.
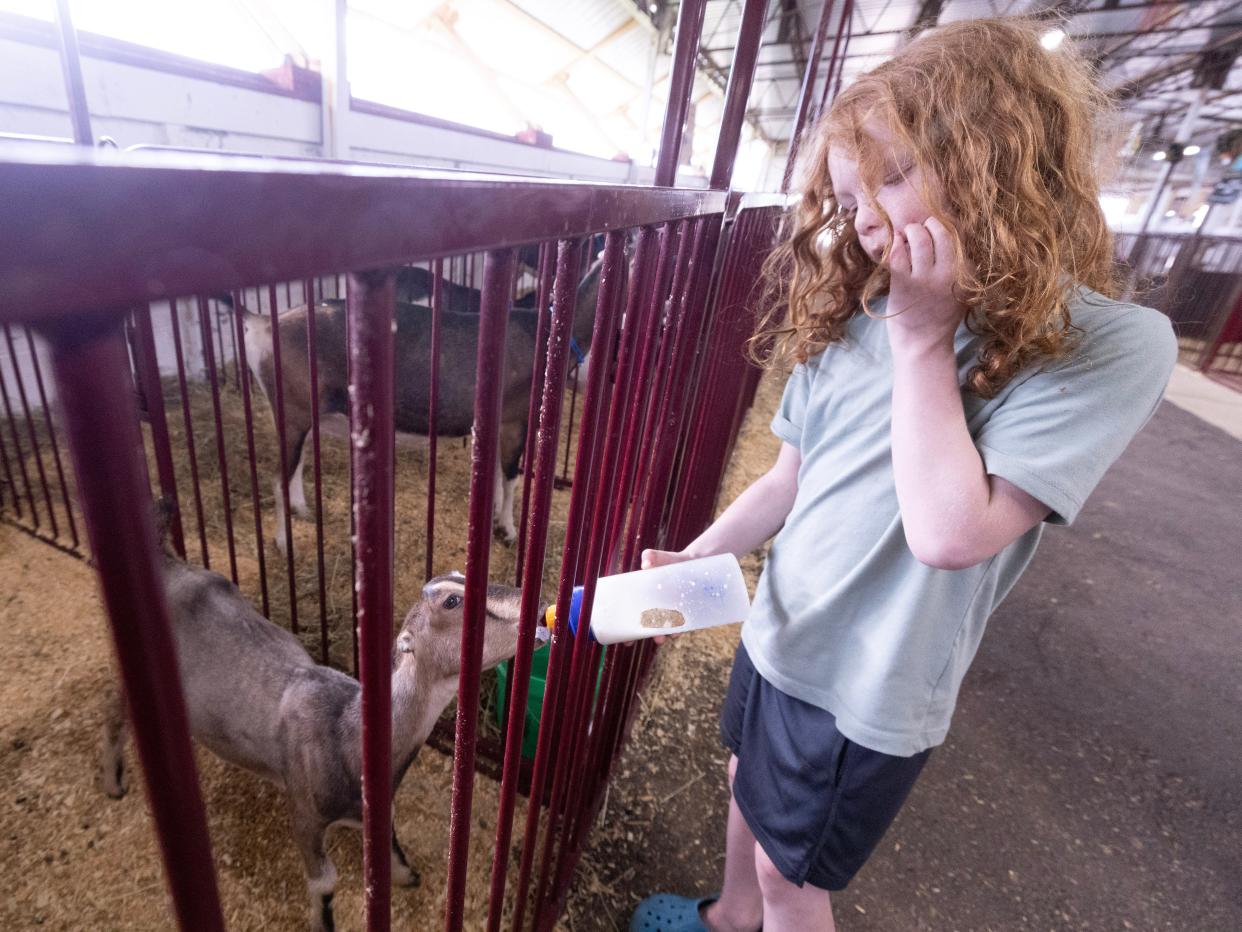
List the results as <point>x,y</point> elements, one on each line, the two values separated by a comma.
<point>1090,781</point>
<point>1091,777</point>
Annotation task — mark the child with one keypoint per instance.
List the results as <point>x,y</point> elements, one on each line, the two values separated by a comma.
<point>964,376</point>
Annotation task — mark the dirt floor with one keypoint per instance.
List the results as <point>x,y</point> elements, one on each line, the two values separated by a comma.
<point>73,859</point>
<point>1091,777</point>
<point>1090,781</point>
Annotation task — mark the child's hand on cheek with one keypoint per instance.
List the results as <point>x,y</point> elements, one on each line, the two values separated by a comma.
<point>922,273</point>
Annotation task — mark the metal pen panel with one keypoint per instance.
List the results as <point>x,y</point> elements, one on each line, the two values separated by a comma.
<point>35,446</point>
<point>51,433</point>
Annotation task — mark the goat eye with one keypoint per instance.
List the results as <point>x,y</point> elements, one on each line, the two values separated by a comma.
<point>452,601</point>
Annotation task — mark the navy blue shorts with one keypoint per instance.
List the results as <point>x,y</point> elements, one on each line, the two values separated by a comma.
<point>817,802</point>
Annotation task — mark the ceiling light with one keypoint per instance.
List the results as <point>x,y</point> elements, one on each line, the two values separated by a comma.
<point>1191,150</point>
<point>1052,38</point>
<point>1159,156</point>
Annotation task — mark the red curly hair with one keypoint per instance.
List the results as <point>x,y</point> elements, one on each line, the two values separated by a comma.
<point>1011,135</point>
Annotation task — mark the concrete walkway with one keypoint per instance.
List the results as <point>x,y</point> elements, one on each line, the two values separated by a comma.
<point>1214,403</point>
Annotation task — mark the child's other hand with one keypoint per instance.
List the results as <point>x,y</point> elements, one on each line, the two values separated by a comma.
<point>651,559</point>
<point>923,271</point>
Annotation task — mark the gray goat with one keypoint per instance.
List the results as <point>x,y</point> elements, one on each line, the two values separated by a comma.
<point>257,699</point>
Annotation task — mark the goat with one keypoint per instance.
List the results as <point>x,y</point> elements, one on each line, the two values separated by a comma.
<point>415,284</point>
<point>256,699</point>
<point>459,341</point>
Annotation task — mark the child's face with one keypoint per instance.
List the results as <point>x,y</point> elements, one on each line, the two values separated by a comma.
<point>900,193</point>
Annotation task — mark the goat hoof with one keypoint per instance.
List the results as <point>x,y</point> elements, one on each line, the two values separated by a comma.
<point>411,879</point>
<point>504,535</point>
<point>114,785</point>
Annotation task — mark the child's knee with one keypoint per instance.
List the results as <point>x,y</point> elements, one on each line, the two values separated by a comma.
<point>771,881</point>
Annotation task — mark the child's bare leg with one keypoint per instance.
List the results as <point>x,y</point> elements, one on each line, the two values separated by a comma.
<point>740,907</point>
<point>788,907</point>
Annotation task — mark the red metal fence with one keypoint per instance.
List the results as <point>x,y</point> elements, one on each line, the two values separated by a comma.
<point>1197,281</point>
<point>95,251</point>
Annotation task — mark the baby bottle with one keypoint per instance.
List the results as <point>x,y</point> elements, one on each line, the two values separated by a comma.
<point>668,599</point>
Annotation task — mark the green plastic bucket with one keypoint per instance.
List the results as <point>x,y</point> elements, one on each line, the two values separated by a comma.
<point>534,699</point>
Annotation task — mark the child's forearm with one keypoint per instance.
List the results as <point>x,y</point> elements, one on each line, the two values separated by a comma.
<point>753,517</point>
<point>942,486</point>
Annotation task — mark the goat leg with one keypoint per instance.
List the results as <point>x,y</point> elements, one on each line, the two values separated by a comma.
<point>308,834</point>
<point>403,875</point>
<point>112,777</point>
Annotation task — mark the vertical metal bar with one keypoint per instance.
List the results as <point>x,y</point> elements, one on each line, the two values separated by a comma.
<point>89,363</point>
<point>238,365</point>
<point>283,491</point>
<point>741,75</point>
<point>353,522</point>
<point>239,329</point>
<point>30,431</point>
<point>312,357</point>
<point>433,406</point>
<point>71,67</point>
<point>573,408</point>
<point>370,313</point>
<point>51,433</point>
<point>581,678</point>
<point>223,357</point>
<point>18,454</point>
<point>209,355</point>
<point>153,391</point>
<point>544,465</point>
<point>191,449</point>
<point>497,282</point>
<point>8,476</point>
<point>550,712</point>
<point>632,385</point>
<point>808,90</point>
<point>543,288</point>
<point>689,26</point>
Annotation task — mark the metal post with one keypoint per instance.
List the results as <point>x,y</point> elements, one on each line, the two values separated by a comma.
<point>90,365</point>
<point>370,313</point>
<point>741,75</point>
<point>808,89</point>
<point>543,464</point>
<point>497,282</point>
<point>71,66</point>
<point>689,27</point>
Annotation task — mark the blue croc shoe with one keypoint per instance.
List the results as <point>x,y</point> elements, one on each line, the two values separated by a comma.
<point>667,913</point>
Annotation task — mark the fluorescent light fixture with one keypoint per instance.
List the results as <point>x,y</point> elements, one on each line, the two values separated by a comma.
<point>1052,39</point>
<point>1160,156</point>
<point>1191,150</point>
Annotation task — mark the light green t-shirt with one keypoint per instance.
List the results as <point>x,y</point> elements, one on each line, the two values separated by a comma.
<point>845,617</point>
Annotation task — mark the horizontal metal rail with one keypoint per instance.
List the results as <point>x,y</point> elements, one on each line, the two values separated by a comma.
<point>135,227</point>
